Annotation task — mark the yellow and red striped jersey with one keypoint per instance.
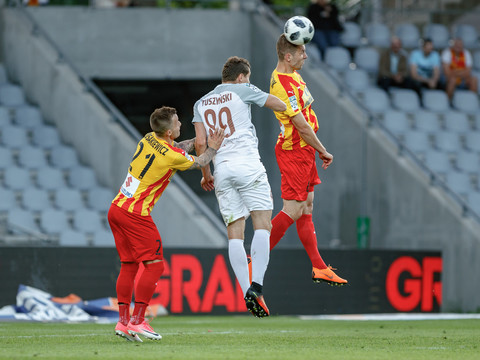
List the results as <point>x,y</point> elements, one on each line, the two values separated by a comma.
<point>293,91</point>
<point>153,165</point>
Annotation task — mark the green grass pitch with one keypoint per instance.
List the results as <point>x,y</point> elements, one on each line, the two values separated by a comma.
<point>245,337</point>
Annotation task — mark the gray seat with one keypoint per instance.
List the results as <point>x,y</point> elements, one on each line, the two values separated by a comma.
<point>474,201</point>
<point>21,221</point>
<point>6,158</point>
<point>35,199</point>
<point>53,221</point>
<point>468,33</point>
<point>417,141</point>
<point>73,238</point>
<point>17,178</point>
<point>63,157</point>
<point>68,199</point>
<point>28,117</point>
<point>46,137</point>
<point>14,137</point>
<point>11,95</point>
<point>3,74</point>
<point>438,33</point>
<point>438,161</point>
<point>32,158</point>
<point>436,101</point>
<point>408,34</point>
<point>476,60</point>
<point>426,121</point>
<point>466,101</point>
<point>103,238</point>
<point>82,178</point>
<point>50,178</point>
<point>337,58</point>
<point>448,141</point>
<point>406,100</point>
<point>396,121</point>
<point>468,162</point>
<point>87,221</point>
<point>9,200</point>
<point>456,121</point>
<point>367,58</point>
<point>472,141</point>
<point>460,183</point>
<point>356,80</point>
<point>351,35</point>
<point>5,118</point>
<point>100,199</point>
<point>376,100</point>
<point>378,35</point>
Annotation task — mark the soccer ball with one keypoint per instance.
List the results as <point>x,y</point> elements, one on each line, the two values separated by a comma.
<point>299,30</point>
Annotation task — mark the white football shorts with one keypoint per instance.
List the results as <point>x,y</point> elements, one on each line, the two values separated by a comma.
<point>241,188</point>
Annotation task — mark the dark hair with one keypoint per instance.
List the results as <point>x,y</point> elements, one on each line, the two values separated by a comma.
<point>285,47</point>
<point>427,40</point>
<point>161,119</point>
<point>233,67</point>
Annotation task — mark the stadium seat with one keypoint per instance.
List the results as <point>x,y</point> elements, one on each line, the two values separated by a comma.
<point>466,101</point>
<point>351,35</point>
<point>46,137</point>
<point>468,162</point>
<point>35,199</point>
<point>6,158</point>
<point>367,58</point>
<point>3,74</point>
<point>467,33</point>
<point>17,178</point>
<point>356,80</point>
<point>32,158</point>
<point>63,157</point>
<point>14,137</point>
<point>456,121</point>
<point>448,141</point>
<point>426,121</point>
<point>103,238</point>
<point>11,95</point>
<point>337,58</point>
<point>435,100</point>
<point>5,118</point>
<point>53,221</point>
<point>460,183</point>
<point>378,35</point>
<point>376,100</point>
<point>68,199</point>
<point>8,201</point>
<point>82,178</point>
<point>100,199</point>
<point>476,60</point>
<point>438,161</point>
<point>72,238</point>
<point>438,33</point>
<point>476,122</point>
<point>396,121</point>
<point>21,221</point>
<point>474,201</point>
<point>50,178</point>
<point>417,141</point>
<point>87,221</point>
<point>28,117</point>
<point>409,34</point>
<point>405,100</point>
<point>472,141</point>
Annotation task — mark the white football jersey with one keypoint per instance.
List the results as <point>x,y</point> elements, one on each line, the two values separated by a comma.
<point>228,106</point>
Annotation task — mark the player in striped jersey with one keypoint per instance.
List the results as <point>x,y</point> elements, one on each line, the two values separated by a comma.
<point>241,183</point>
<point>295,151</point>
<point>137,239</point>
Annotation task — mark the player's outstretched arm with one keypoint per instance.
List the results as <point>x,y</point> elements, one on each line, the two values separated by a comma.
<point>275,103</point>
<point>207,181</point>
<point>186,145</point>
<point>214,142</point>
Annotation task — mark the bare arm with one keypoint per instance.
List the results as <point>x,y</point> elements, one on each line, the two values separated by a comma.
<point>200,146</point>
<point>187,145</point>
<point>275,103</point>
<point>214,142</point>
<point>309,136</point>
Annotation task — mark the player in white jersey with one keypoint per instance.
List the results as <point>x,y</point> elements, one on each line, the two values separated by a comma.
<point>240,180</point>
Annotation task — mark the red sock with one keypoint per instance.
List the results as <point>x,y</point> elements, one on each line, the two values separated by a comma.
<point>124,313</point>
<point>306,233</point>
<point>280,225</point>
<point>138,315</point>
<point>125,282</point>
<point>145,288</point>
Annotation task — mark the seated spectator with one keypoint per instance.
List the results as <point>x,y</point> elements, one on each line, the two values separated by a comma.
<point>425,67</point>
<point>457,66</point>
<point>393,67</point>
<point>324,17</point>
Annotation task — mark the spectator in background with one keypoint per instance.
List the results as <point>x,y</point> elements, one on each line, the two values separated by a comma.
<point>457,66</point>
<point>324,17</point>
<point>425,67</point>
<point>393,67</point>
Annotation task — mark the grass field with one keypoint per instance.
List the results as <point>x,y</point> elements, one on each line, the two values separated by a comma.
<point>245,337</point>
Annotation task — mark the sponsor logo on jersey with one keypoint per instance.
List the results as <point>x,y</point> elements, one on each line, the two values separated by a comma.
<point>130,185</point>
<point>253,87</point>
<point>189,157</point>
<point>293,103</point>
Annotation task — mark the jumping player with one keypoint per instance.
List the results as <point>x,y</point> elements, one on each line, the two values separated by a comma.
<point>240,180</point>
<point>137,239</point>
<point>295,151</point>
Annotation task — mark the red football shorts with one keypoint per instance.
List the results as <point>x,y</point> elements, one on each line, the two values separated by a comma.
<point>136,237</point>
<point>298,171</point>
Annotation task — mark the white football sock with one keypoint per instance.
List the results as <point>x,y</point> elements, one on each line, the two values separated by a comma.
<point>238,261</point>
<point>260,250</point>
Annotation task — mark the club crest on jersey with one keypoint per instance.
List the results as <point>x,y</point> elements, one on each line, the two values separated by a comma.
<point>129,186</point>
<point>293,103</point>
<point>253,87</point>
